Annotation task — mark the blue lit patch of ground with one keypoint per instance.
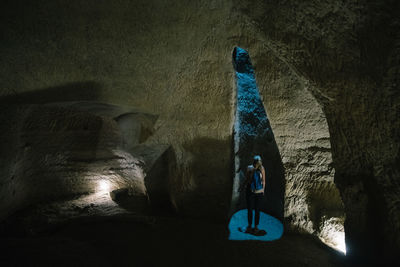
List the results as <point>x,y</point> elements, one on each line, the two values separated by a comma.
<point>268,223</point>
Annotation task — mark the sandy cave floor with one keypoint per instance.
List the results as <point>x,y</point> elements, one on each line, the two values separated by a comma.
<point>158,241</point>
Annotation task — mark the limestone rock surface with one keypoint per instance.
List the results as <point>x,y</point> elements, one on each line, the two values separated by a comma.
<point>61,152</point>
<point>173,59</point>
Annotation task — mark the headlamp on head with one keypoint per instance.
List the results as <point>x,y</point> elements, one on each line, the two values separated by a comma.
<point>257,158</point>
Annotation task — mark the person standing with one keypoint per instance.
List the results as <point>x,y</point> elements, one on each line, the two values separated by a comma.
<point>254,184</point>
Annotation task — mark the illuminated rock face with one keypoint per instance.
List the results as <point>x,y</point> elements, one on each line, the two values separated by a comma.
<point>68,149</point>
<point>302,134</point>
<point>174,60</point>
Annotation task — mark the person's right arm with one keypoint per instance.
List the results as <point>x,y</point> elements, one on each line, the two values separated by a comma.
<point>245,180</point>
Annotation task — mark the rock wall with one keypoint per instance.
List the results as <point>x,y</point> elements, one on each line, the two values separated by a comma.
<point>347,51</point>
<point>173,59</point>
<point>183,75</point>
<point>161,58</point>
<point>55,152</point>
<point>302,135</point>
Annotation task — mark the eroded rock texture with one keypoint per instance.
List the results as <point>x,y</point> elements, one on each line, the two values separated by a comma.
<point>347,51</point>
<point>173,60</point>
<point>67,150</point>
<point>302,135</point>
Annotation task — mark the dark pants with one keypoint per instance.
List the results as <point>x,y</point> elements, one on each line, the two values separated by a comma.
<point>256,198</point>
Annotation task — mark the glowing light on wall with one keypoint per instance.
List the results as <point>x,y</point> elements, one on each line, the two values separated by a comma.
<point>338,239</point>
<point>332,233</point>
<point>103,186</point>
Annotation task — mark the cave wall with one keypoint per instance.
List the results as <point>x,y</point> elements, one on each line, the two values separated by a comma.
<point>176,65</point>
<point>303,138</point>
<point>55,152</point>
<point>159,57</point>
<point>348,53</point>
<point>173,59</point>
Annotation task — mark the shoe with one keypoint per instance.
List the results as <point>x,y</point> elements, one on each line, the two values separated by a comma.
<point>256,230</point>
<point>259,232</point>
<point>249,230</point>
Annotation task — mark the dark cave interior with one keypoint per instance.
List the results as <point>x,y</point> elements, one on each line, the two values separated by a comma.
<point>125,127</point>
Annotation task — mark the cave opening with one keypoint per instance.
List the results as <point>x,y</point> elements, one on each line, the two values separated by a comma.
<point>253,136</point>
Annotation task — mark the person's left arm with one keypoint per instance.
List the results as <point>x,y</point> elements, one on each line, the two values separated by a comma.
<point>263,178</point>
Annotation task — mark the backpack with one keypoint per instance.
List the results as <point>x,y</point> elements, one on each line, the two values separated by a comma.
<point>256,180</point>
